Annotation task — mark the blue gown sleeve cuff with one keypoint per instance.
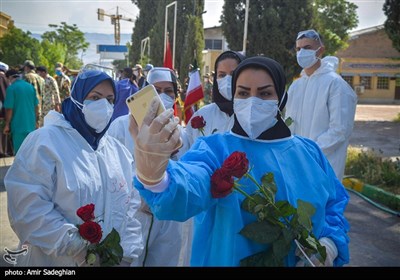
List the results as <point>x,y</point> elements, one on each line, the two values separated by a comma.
<point>159,187</point>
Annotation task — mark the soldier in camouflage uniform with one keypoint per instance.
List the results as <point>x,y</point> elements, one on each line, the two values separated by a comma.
<point>63,82</point>
<point>51,96</point>
<point>38,83</point>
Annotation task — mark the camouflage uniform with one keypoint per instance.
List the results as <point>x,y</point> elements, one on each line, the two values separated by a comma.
<point>51,95</point>
<point>38,83</point>
<point>64,86</point>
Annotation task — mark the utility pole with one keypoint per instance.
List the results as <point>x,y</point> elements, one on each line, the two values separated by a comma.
<point>246,19</point>
<point>115,21</point>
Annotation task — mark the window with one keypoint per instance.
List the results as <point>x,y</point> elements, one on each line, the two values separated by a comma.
<point>213,44</point>
<point>366,82</point>
<point>383,83</point>
<point>349,80</point>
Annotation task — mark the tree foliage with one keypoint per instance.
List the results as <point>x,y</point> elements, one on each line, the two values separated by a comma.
<point>391,9</point>
<point>17,46</point>
<point>334,18</point>
<point>51,54</point>
<point>143,24</point>
<point>71,38</point>
<point>274,24</point>
<point>151,23</point>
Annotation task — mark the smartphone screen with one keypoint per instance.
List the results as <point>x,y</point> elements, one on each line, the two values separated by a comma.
<point>139,103</point>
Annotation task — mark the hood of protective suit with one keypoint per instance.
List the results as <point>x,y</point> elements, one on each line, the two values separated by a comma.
<point>328,64</point>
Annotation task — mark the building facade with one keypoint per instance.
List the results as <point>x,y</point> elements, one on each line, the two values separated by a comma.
<point>215,44</point>
<point>5,20</point>
<point>371,66</point>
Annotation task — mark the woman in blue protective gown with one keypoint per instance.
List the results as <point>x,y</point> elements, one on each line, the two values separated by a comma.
<point>182,189</point>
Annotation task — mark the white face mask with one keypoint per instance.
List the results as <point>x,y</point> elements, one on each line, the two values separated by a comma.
<point>307,58</point>
<point>255,115</point>
<point>224,87</point>
<point>167,100</point>
<point>97,113</point>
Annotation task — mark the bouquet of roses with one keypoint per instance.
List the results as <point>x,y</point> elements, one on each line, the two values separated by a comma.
<point>278,223</point>
<point>109,250</point>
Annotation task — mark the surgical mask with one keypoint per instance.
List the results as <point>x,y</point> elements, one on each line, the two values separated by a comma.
<point>97,113</point>
<point>167,100</point>
<point>255,115</point>
<point>307,58</point>
<point>58,73</point>
<point>224,87</point>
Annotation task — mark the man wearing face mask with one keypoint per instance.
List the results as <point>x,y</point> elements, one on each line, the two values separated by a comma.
<point>321,104</point>
<point>68,163</point>
<point>165,240</point>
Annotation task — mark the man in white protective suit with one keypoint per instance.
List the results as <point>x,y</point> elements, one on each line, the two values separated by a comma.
<point>320,103</point>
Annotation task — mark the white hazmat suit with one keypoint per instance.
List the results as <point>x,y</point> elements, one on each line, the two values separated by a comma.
<point>322,107</point>
<point>56,172</point>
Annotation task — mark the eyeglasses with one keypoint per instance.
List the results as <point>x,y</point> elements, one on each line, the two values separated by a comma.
<point>89,74</point>
<point>311,34</point>
<point>85,74</point>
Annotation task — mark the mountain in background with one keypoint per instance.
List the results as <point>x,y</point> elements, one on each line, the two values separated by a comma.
<point>94,39</point>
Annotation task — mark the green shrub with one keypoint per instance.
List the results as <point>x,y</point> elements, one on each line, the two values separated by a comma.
<point>373,170</point>
<point>397,119</point>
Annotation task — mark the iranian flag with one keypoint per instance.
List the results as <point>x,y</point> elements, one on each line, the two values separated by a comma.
<point>194,92</point>
<point>168,56</point>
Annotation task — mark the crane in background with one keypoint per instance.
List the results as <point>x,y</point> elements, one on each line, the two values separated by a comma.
<point>115,21</point>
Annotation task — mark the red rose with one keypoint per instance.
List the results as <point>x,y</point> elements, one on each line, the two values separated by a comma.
<point>91,231</point>
<point>236,164</point>
<point>86,213</point>
<point>221,183</point>
<point>198,122</point>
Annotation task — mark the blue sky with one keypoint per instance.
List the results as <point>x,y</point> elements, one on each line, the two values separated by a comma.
<point>35,15</point>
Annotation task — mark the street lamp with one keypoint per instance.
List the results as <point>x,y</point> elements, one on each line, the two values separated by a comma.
<point>165,30</point>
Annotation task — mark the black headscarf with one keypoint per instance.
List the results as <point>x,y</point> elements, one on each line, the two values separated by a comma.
<point>223,104</point>
<point>275,70</point>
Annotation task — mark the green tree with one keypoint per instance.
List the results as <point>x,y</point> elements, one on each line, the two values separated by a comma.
<point>334,18</point>
<point>151,23</point>
<point>274,24</point>
<point>52,53</point>
<point>391,9</point>
<point>143,25</point>
<point>195,44</point>
<point>71,38</point>
<point>17,46</point>
<point>272,28</point>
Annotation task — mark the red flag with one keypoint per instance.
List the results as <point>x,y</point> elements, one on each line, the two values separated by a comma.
<point>168,56</point>
<point>194,93</point>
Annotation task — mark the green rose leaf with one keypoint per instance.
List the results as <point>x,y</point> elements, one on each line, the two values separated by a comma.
<point>261,232</point>
<point>281,247</point>
<point>256,260</point>
<point>285,209</point>
<point>250,204</point>
<point>306,211</point>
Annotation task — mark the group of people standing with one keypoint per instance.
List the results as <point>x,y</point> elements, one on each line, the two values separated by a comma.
<point>27,96</point>
<point>147,182</point>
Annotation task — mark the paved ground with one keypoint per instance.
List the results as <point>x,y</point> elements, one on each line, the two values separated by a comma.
<point>374,234</point>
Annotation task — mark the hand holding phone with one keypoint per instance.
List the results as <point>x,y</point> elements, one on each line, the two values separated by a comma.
<point>139,103</point>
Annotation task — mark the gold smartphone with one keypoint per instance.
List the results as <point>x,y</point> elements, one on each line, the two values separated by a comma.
<point>139,103</point>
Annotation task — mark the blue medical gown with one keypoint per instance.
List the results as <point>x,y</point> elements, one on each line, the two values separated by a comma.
<point>300,169</point>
